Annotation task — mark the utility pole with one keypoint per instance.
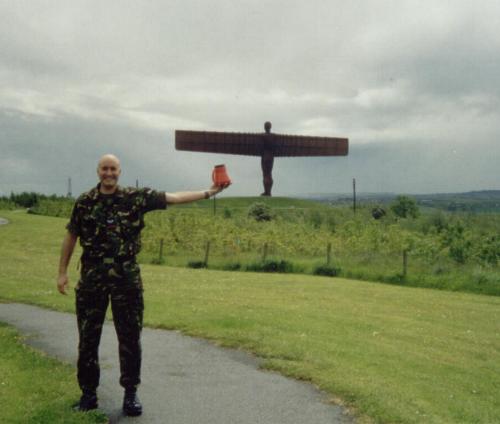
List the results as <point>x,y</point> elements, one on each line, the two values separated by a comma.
<point>137,183</point>
<point>69,187</point>
<point>354,195</point>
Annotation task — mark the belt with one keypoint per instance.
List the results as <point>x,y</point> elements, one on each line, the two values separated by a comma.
<point>107,260</point>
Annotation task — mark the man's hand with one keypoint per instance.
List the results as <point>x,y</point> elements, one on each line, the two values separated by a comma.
<point>63,283</point>
<point>217,188</point>
<point>66,252</point>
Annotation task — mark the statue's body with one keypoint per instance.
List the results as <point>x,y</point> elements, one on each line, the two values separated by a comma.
<point>267,145</point>
<point>267,160</point>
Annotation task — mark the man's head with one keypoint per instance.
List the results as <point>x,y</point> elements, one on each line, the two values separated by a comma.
<point>108,171</point>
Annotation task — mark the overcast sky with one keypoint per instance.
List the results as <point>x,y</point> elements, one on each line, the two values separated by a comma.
<point>414,85</point>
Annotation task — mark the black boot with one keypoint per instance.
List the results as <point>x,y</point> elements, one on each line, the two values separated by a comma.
<point>88,401</point>
<point>131,404</point>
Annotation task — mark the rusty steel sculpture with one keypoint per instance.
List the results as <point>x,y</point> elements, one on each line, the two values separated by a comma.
<point>267,145</point>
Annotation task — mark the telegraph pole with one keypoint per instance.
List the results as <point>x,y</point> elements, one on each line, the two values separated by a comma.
<point>69,187</point>
<point>354,195</point>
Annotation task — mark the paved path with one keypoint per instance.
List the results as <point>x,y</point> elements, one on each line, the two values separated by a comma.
<point>3,221</point>
<point>185,380</point>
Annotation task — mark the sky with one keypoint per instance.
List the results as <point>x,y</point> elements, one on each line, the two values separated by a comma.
<point>413,85</point>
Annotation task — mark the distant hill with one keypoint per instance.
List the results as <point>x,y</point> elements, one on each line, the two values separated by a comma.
<point>472,201</point>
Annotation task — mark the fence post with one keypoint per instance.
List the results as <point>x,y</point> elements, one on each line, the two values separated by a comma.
<point>328,253</point>
<point>264,253</point>
<point>207,251</point>
<point>405,262</point>
<point>160,256</point>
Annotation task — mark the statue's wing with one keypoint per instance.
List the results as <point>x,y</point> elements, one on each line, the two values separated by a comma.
<point>253,144</point>
<point>297,145</point>
<point>219,142</point>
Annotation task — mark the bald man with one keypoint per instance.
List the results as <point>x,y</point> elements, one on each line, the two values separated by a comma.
<point>108,219</point>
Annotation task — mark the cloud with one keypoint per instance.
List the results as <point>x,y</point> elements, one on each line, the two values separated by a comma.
<point>407,82</point>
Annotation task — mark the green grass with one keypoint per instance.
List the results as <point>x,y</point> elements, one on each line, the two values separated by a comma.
<point>451,252</point>
<point>246,202</point>
<point>35,388</point>
<point>395,354</point>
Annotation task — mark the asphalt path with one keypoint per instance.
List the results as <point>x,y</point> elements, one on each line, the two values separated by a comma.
<point>185,380</point>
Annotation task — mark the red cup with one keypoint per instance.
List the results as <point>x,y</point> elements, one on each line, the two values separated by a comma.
<point>220,177</point>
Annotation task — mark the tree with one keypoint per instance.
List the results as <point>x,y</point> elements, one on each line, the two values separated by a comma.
<point>405,207</point>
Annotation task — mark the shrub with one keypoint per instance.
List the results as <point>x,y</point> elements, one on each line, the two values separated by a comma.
<point>490,250</point>
<point>272,266</point>
<point>405,207</point>
<point>260,212</point>
<point>233,266</point>
<point>197,264</point>
<point>326,270</point>
<point>331,223</point>
<point>6,204</point>
<point>315,218</point>
<point>395,278</point>
<point>438,221</point>
<point>25,199</point>
<point>440,270</point>
<point>378,212</point>
<point>460,251</point>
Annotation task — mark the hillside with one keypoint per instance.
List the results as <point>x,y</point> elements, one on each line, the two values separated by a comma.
<point>396,354</point>
<point>472,201</point>
<point>451,251</point>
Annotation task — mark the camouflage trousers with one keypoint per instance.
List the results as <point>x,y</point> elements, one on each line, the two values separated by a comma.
<point>99,285</point>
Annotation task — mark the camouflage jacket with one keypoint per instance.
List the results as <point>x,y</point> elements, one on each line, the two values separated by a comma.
<point>110,225</point>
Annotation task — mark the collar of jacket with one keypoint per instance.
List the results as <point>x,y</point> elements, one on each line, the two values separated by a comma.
<point>94,193</point>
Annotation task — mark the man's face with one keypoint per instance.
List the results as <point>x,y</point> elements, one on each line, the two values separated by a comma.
<point>108,171</point>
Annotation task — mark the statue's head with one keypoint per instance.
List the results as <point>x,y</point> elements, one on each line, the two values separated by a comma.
<point>267,127</point>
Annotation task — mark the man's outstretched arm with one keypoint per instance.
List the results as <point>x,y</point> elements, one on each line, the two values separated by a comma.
<point>67,248</point>
<point>192,196</point>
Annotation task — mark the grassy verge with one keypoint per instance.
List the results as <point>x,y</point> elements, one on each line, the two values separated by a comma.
<point>459,252</point>
<point>396,354</point>
<point>374,267</point>
<point>35,388</point>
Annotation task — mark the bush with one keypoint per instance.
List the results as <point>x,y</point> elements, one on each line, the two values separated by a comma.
<point>437,220</point>
<point>460,251</point>
<point>260,212</point>
<point>395,278</point>
<point>378,212</point>
<point>233,266</point>
<point>272,266</point>
<point>315,219</point>
<point>7,204</point>
<point>440,270</point>
<point>405,207</point>
<point>158,261</point>
<point>25,199</point>
<point>197,264</point>
<point>326,270</point>
<point>490,250</point>
<point>331,223</point>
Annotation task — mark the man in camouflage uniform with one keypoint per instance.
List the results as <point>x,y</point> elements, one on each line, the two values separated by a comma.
<point>108,219</point>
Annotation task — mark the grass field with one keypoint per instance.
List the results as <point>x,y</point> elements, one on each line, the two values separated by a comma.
<point>35,388</point>
<point>456,252</point>
<point>395,354</point>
